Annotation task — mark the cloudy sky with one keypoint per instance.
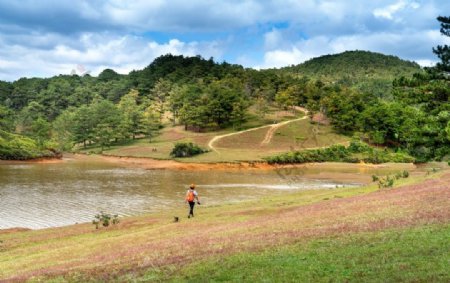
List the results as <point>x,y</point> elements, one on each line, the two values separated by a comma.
<point>50,37</point>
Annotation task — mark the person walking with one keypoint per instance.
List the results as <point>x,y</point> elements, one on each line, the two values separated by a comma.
<point>191,196</point>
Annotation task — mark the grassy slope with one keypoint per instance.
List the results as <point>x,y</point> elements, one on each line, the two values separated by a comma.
<point>362,233</point>
<point>419,254</point>
<point>241,147</point>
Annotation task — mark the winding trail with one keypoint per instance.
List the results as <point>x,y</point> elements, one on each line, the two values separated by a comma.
<point>267,138</point>
<point>274,127</point>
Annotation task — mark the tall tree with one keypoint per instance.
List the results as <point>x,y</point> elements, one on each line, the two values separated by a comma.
<point>151,122</point>
<point>40,130</point>
<point>106,117</point>
<point>28,115</point>
<point>132,122</point>
<point>176,101</point>
<point>62,130</point>
<point>443,51</point>
<point>83,125</point>
<point>7,117</point>
<point>159,94</point>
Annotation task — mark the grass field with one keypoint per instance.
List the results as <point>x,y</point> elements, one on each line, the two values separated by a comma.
<point>245,146</point>
<point>418,254</point>
<point>346,234</point>
<point>293,136</point>
<point>240,147</point>
<point>302,134</point>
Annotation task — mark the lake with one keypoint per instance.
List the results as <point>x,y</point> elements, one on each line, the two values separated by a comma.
<point>40,195</point>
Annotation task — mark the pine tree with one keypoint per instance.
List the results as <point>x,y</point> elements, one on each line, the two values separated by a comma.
<point>443,52</point>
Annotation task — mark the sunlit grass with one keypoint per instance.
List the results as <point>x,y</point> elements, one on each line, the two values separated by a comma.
<point>278,228</point>
<point>241,147</point>
<point>420,254</point>
<point>303,134</point>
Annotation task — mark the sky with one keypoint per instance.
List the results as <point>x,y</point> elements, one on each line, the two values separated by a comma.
<point>51,37</point>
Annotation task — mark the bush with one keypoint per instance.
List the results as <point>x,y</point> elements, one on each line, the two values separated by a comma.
<point>17,147</point>
<point>355,152</point>
<point>105,219</point>
<point>359,147</point>
<point>186,150</point>
<point>387,182</point>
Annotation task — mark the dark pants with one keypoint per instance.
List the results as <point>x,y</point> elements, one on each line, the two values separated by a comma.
<point>191,206</point>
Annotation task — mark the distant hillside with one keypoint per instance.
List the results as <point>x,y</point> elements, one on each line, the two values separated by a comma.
<point>364,70</point>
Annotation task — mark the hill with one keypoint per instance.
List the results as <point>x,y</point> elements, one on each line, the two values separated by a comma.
<point>366,71</point>
<point>200,95</point>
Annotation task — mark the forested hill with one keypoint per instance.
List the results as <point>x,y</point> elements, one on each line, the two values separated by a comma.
<point>42,116</point>
<point>367,71</point>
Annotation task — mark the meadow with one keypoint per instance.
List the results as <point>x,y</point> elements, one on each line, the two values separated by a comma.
<point>340,234</point>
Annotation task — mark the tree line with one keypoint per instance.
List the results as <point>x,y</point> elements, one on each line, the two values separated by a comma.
<point>203,95</point>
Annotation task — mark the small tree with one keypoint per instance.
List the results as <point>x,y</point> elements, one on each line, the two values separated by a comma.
<point>151,122</point>
<point>262,107</point>
<point>105,219</point>
<point>238,114</point>
<point>186,150</point>
<point>40,131</point>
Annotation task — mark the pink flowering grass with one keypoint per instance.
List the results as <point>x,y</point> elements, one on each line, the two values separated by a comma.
<point>139,244</point>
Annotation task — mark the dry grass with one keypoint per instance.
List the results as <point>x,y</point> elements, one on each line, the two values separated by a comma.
<point>293,136</point>
<point>240,147</point>
<point>302,134</point>
<point>142,243</point>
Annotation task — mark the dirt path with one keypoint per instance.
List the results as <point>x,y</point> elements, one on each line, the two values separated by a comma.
<point>275,127</point>
<point>268,136</point>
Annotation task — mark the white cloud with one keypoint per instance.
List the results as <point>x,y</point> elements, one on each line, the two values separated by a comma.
<point>281,58</point>
<point>426,62</point>
<point>272,39</point>
<point>389,11</point>
<point>414,47</point>
<point>126,35</point>
<point>95,53</point>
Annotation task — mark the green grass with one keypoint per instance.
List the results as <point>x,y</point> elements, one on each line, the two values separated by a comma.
<point>303,134</point>
<point>241,147</point>
<point>317,235</point>
<point>420,254</point>
<point>247,140</point>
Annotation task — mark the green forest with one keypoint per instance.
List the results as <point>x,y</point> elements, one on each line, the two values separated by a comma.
<point>379,99</point>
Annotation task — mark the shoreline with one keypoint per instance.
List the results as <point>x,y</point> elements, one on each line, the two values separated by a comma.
<point>158,164</point>
<point>153,164</point>
<point>169,164</point>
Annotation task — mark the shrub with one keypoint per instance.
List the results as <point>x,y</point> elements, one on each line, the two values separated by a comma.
<point>17,147</point>
<point>105,219</point>
<point>358,147</point>
<point>355,152</point>
<point>186,150</point>
<point>405,174</point>
<point>387,182</point>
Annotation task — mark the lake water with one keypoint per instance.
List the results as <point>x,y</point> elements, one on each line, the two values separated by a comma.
<point>34,195</point>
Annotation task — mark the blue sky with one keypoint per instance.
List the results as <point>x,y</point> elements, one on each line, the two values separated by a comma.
<point>50,37</point>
